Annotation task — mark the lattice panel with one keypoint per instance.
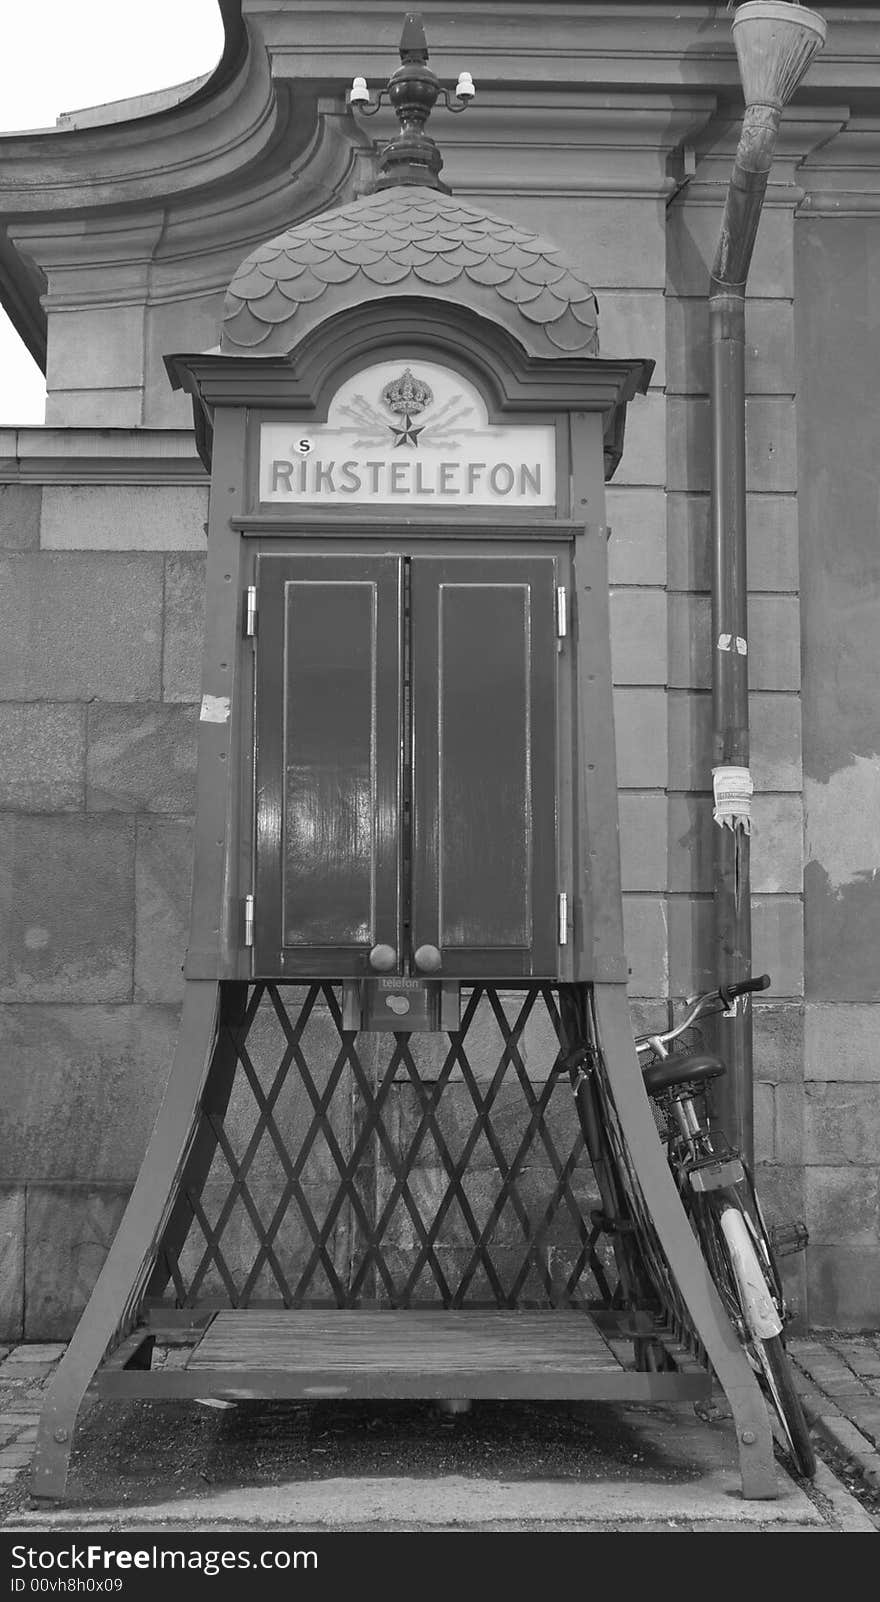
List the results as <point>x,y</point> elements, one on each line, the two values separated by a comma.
<point>345,1169</point>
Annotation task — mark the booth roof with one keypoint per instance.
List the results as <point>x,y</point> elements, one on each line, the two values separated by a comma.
<point>409,241</point>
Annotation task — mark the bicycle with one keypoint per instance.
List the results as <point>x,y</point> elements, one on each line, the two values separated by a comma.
<point>719,1197</point>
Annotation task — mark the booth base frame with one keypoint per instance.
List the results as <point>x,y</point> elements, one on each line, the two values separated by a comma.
<point>626,1311</point>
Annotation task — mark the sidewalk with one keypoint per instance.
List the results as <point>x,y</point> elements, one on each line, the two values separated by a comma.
<point>841,1398</point>
<point>270,1466</point>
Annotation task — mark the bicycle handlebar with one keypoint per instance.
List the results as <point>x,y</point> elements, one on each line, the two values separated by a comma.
<point>710,1001</point>
<point>745,986</point>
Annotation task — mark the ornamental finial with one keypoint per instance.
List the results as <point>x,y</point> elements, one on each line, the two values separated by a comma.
<point>413,90</point>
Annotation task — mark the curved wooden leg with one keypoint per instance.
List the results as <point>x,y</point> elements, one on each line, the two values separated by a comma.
<point>120,1284</point>
<point>213,1102</point>
<point>754,1438</point>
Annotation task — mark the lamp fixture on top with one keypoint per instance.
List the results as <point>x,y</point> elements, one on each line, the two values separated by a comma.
<point>413,90</point>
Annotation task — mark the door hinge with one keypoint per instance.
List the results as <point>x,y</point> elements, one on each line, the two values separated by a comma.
<point>561,611</point>
<point>250,611</point>
<point>562,913</point>
<point>248,920</point>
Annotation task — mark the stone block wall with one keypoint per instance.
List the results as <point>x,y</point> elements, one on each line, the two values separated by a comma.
<point>100,642</point>
<point>837,262</point>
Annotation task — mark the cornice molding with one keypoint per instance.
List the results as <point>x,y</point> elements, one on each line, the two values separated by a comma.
<point>804,130</point>
<point>99,456</point>
<point>150,160</point>
<point>568,143</point>
<point>843,177</point>
<point>610,47</point>
<point>296,51</point>
<point>489,354</point>
<point>590,384</point>
<point>127,257</point>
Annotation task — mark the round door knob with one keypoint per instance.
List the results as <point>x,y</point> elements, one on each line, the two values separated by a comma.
<point>428,959</point>
<point>382,958</point>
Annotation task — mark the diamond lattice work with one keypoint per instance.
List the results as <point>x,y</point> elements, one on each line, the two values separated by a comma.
<point>329,1167</point>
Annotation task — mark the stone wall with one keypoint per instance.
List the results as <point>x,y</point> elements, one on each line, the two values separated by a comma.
<point>837,267</point>
<point>100,641</point>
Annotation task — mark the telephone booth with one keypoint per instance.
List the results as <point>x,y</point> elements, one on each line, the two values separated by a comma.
<point>368,1176</point>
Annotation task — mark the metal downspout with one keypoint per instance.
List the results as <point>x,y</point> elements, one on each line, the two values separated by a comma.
<point>760,29</point>
<point>730,677</point>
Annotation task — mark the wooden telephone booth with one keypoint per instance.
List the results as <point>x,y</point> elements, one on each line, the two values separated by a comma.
<point>368,1176</point>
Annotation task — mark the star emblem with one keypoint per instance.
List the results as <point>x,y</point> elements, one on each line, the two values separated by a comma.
<point>408,434</point>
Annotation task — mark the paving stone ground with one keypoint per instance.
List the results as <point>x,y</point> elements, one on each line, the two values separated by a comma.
<point>24,1371</point>
<point>841,1396</point>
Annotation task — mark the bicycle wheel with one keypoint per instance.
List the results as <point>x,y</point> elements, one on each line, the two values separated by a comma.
<point>740,1261</point>
<point>779,1385</point>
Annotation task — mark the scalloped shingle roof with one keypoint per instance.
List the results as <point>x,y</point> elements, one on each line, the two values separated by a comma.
<point>409,241</point>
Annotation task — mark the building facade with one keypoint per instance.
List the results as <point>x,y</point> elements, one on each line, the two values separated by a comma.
<point>610,129</point>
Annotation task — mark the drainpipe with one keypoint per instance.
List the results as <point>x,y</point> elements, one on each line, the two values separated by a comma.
<point>775,41</point>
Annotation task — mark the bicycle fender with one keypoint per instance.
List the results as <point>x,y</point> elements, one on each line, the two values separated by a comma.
<point>758,1306</point>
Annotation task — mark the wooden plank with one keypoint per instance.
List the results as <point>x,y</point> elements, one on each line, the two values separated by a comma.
<point>607,1384</point>
<point>419,1342</point>
<point>423,1342</point>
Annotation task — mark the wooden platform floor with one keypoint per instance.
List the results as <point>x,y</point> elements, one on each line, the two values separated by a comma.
<point>408,1354</point>
<point>426,1343</point>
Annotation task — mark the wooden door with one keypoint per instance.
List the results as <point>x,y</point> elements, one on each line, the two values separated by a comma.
<point>484,860</point>
<point>328,763</point>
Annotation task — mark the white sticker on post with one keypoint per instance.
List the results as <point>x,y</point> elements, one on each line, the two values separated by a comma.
<point>733,790</point>
<point>215,709</point>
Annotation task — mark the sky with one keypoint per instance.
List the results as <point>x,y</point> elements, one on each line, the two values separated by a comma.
<point>63,55</point>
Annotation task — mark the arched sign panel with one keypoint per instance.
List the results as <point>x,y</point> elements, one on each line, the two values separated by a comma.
<point>408,433</point>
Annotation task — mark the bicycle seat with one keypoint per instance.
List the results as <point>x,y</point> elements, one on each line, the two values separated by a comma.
<point>697,1068</point>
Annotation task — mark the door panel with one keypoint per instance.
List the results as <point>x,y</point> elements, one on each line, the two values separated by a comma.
<point>484,742</point>
<point>328,762</point>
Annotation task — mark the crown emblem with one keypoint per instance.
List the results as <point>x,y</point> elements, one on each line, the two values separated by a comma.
<point>407,395</point>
